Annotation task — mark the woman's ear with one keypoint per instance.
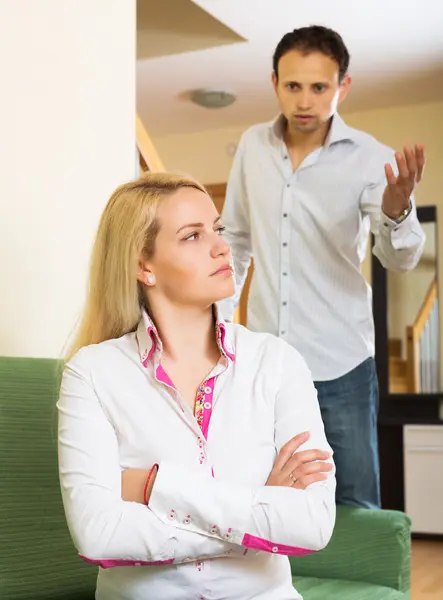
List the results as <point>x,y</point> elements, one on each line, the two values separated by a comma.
<point>145,275</point>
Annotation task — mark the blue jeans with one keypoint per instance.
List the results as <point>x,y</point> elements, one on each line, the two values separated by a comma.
<point>349,408</point>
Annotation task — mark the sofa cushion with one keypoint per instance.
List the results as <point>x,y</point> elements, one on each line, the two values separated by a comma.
<point>38,559</point>
<point>367,545</point>
<point>312,588</point>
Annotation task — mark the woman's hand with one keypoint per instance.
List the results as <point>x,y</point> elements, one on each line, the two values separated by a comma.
<point>299,469</point>
<point>133,485</point>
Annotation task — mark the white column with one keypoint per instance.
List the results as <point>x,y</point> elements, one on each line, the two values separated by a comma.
<point>67,139</point>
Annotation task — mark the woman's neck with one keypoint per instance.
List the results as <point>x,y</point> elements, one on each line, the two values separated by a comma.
<point>185,332</point>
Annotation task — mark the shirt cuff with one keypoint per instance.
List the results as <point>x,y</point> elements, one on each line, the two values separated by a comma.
<point>391,225</point>
<point>195,501</point>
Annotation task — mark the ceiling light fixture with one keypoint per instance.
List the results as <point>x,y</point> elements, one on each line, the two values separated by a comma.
<point>212,98</point>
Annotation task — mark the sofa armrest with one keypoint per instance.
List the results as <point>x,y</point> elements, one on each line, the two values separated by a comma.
<point>373,546</point>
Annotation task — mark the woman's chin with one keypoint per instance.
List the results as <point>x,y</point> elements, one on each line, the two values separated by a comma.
<point>224,291</point>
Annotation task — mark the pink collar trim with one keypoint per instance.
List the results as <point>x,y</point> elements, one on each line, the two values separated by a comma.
<point>149,341</point>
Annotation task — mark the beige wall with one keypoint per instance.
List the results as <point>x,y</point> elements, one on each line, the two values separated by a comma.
<point>67,124</point>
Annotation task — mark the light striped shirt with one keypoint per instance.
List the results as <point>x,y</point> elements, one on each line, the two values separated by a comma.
<point>307,231</point>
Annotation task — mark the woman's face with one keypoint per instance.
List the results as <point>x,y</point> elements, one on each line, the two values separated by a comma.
<point>192,262</point>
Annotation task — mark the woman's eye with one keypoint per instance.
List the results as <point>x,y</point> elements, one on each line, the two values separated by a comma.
<point>221,230</point>
<point>192,237</point>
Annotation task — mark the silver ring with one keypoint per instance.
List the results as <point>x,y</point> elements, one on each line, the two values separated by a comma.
<point>294,479</point>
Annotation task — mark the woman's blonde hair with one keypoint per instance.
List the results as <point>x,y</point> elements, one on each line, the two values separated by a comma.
<point>127,231</point>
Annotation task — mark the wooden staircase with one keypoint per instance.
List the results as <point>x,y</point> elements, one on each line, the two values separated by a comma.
<point>398,368</point>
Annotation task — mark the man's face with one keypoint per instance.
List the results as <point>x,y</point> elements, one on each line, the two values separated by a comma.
<point>308,89</point>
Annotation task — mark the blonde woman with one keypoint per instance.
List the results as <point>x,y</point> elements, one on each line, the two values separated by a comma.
<point>192,453</point>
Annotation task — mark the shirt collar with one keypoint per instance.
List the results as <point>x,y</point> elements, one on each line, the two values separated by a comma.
<point>338,132</point>
<point>149,342</point>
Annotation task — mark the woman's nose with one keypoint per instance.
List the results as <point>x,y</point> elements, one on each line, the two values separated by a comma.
<point>220,246</point>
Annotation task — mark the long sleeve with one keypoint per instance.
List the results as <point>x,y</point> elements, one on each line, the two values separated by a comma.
<point>236,220</point>
<point>104,528</point>
<point>397,246</point>
<point>282,520</point>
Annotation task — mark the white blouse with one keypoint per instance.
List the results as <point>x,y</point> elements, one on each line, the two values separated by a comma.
<point>212,529</point>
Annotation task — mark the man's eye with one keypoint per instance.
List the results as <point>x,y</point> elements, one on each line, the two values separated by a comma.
<point>319,87</point>
<point>292,86</point>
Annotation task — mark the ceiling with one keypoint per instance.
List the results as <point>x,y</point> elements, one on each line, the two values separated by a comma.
<point>175,26</point>
<point>396,51</point>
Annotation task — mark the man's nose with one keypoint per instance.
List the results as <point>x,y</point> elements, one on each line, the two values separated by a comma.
<point>304,100</point>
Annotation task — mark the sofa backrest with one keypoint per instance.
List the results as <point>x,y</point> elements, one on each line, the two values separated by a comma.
<point>37,557</point>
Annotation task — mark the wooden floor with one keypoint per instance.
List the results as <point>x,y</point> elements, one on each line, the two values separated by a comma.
<point>427,570</point>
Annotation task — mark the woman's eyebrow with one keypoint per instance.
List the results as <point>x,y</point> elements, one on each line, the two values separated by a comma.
<point>196,224</point>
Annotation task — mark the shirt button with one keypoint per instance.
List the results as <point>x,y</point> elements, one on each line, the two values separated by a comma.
<point>207,405</point>
<point>288,185</point>
<point>282,332</point>
<point>285,214</point>
<point>284,303</point>
<point>285,274</point>
<point>208,390</point>
<point>285,244</point>
<point>285,157</point>
<point>275,549</point>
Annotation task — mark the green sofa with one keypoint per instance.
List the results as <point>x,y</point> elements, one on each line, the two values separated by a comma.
<point>368,557</point>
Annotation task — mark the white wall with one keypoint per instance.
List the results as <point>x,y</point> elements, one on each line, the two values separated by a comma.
<point>67,139</point>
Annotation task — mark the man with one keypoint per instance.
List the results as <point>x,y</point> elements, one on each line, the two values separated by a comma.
<point>303,194</point>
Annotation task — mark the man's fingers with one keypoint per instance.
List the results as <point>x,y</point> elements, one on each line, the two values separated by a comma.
<point>289,448</point>
<point>390,177</point>
<point>421,159</point>
<point>411,162</point>
<point>401,165</point>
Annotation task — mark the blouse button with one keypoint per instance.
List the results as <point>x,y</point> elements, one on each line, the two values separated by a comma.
<point>208,390</point>
<point>275,549</point>
<point>207,405</point>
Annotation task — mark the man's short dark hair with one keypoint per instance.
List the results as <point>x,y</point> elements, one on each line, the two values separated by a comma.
<point>314,39</point>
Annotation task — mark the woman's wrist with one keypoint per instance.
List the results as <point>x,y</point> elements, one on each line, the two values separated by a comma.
<point>149,484</point>
<point>137,484</point>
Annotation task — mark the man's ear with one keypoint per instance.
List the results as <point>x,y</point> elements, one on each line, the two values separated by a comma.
<point>274,80</point>
<point>344,88</point>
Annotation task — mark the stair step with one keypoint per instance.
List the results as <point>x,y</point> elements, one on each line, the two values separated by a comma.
<point>395,347</point>
<point>398,385</point>
<point>397,367</point>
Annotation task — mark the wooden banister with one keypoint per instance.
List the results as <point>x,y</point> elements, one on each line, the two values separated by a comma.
<point>149,157</point>
<point>426,308</point>
<point>413,335</point>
